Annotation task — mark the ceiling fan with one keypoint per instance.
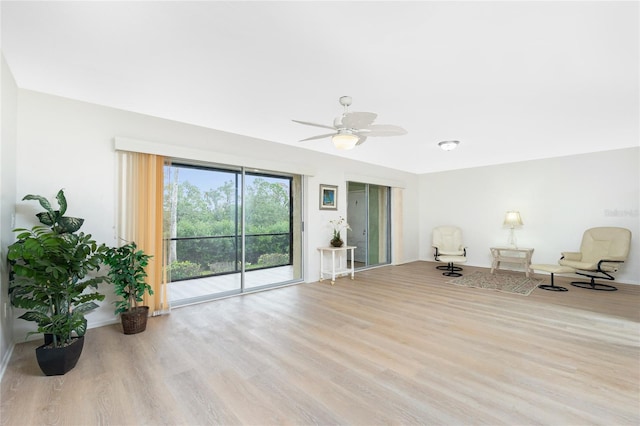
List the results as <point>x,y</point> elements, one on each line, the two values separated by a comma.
<point>353,128</point>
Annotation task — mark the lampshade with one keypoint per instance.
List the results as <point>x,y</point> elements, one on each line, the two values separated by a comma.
<point>344,141</point>
<point>512,218</point>
<point>448,145</point>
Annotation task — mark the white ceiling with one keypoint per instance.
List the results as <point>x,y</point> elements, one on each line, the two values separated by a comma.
<point>512,81</point>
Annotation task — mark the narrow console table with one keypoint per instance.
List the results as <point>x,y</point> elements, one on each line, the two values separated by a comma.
<point>338,266</point>
<point>520,256</point>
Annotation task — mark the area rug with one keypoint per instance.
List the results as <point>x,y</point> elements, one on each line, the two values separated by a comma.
<point>508,283</point>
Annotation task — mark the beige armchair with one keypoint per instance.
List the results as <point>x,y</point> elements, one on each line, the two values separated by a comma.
<point>601,253</point>
<point>447,243</point>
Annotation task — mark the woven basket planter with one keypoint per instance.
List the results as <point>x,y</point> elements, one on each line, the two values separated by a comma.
<point>134,321</point>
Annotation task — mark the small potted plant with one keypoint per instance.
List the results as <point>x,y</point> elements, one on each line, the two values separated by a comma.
<point>338,225</point>
<point>127,274</point>
<point>50,268</point>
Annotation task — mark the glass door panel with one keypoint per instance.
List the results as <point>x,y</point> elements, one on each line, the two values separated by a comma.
<point>200,223</point>
<point>268,230</point>
<point>368,215</point>
<point>378,243</point>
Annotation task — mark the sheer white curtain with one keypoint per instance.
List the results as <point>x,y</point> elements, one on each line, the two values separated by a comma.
<point>396,226</point>
<point>140,218</point>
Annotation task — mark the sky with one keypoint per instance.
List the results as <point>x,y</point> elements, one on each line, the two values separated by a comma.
<point>206,179</point>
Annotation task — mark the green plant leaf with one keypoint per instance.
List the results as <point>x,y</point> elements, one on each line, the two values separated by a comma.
<point>81,327</point>
<point>37,317</point>
<point>85,307</point>
<point>46,218</point>
<point>43,201</point>
<point>62,202</point>
<point>69,224</point>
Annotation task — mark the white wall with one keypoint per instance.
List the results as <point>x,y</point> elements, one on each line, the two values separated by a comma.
<point>69,144</point>
<point>558,199</point>
<point>8,138</point>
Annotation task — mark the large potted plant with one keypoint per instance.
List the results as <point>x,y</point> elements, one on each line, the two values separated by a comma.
<point>50,278</point>
<point>127,274</point>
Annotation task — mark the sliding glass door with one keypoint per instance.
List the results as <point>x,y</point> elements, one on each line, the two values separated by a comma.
<point>269,243</point>
<point>368,214</point>
<point>230,231</point>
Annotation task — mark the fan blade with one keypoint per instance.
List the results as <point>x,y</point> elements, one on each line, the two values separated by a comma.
<point>306,123</point>
<point>358,120</point>
<point>384,130</point>
<point>361,140</point>
<point>317,137</point>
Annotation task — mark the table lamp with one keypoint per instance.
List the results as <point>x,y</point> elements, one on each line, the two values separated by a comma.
<point>513,219</point>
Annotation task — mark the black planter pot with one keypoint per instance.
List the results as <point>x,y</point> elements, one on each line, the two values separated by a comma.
<point>58,361</point>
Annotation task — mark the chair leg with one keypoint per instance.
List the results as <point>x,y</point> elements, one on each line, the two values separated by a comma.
<point>452,271</point>
<point>552,287</point>
<point>447,268</point>
<point>593,285</point>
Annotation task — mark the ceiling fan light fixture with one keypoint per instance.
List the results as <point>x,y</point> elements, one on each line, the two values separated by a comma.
<point>353,128</point>
<point>448,145</point>
<point>345,141</point>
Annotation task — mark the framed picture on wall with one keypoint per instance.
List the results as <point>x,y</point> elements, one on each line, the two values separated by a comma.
<point>328,197</point>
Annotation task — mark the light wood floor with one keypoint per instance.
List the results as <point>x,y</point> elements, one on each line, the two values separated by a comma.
<point>399,345</point>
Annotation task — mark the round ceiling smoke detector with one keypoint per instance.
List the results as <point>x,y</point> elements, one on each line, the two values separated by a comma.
<point>448,145</point>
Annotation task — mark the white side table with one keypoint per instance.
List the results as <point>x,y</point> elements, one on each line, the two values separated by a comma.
<point>519,255</point>
<point>339,268</point>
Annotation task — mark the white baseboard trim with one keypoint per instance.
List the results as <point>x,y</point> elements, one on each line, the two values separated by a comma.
<point>5,360</point>
<point>115,320</point>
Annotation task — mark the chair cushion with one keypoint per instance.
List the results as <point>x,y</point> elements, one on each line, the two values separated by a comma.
<point>589,266</point>
<point>576,264</point>
<point>451,252</point>
<point>555,269</point>
<point>605,243</point>
<point>452,259</point>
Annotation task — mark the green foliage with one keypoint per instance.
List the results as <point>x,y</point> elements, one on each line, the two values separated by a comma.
<point>273,259</point>
<point>221,267</point>
<point>127,273</point>
<point>267,205</point>
<point>184,269</point>
<point>49,276</point>
<point>56,218</point>
<point>208,223</point>
<point>50,273</point>
<point>264,244</point>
